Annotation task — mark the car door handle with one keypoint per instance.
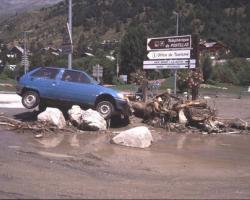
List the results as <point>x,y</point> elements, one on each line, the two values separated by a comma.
<point>53,84</point>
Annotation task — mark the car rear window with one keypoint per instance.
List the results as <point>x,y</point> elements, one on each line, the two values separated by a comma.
<point>46,73</point>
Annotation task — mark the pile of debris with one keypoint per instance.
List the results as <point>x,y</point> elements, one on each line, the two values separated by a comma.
<point>176,114</point>
<point>52,120</point>
<point>38,128</point>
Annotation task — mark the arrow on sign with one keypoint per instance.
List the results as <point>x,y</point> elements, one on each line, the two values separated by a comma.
<point>169,54</point>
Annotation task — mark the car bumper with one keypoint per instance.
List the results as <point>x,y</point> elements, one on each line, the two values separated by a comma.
<point>123,107</point>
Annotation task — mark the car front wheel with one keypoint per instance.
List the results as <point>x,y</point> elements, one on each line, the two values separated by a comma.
<point>30,99</point>
<point>105,108</point>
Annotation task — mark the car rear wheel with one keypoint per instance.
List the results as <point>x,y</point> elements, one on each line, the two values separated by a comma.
<point>105,108</point>
<point>30,99</point>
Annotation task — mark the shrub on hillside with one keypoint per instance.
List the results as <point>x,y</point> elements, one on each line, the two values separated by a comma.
<point>235,71</point>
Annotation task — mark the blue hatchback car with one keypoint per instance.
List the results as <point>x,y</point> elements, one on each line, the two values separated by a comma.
<point>58,86</point>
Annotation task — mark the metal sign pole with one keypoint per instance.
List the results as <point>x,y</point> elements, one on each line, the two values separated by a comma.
<point>25,59</point>
<point>98,75</point>
<point>117,66</point>
<point>177,32</point>
<point>70,31</point>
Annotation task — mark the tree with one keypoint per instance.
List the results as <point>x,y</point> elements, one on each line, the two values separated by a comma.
<point>82,45</point>
<point>3,55</point>
<point>132,50</point>
<point>207,69</point>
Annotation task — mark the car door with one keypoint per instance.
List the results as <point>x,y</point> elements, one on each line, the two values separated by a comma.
<point>76,87</point>
<point>44,80</point>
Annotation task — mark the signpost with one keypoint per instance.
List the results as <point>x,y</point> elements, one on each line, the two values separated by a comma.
<point>162,66</point>
<point>169,43</point>
<point>98,72</point>
<point>171,52</point>
<point>169,64</point>
<point>67,46</point>
<point>25,62</point>
<point>177,54</point>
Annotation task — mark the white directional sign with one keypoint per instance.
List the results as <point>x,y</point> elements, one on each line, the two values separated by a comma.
<point>169,43</point>
<point>178,54</point>
<point>162,66</point>
<point>169,62</point>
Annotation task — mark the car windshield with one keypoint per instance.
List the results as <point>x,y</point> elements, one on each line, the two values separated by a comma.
<point>92,80</point>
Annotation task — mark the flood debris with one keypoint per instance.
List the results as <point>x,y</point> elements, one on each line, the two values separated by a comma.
<point>165,111</point>
<point>176,114</point>
<point>38,128</point>
<point>139,137</point>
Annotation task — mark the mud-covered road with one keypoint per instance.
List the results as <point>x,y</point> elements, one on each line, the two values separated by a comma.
<point>86,165</point>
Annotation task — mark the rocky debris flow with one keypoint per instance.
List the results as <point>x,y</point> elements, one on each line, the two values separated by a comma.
<point>87,120</point>
<point>136,137</point>
<point>164,110</point>
<point>53,116</point>
<point>176,114</point>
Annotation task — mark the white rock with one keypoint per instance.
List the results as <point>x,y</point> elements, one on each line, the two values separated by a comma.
<point>136,137</point>
<point>86,120</point>
<point>182,117</point>
<point>53,116</point>
<point>93,120</point>
<point>75,115</point>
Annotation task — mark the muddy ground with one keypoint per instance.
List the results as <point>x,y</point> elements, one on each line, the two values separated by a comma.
<point>86,165</point>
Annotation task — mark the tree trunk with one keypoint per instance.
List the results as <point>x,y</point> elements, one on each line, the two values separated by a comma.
<point>194,93</point>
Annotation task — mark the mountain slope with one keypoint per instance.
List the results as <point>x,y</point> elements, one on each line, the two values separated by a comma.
<point>94,21</point>
<point>10,7</point>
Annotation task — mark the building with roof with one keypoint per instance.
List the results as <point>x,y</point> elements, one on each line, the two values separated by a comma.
<point>213,49</point>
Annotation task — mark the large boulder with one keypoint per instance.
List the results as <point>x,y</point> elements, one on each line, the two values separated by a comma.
<point>87,120</point>
<point>53,116</point>
<point>93,120</point>
<point>139,137</point>
<point>75,115</point>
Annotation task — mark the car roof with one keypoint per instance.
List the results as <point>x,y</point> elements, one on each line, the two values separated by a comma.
<point>62,68</point>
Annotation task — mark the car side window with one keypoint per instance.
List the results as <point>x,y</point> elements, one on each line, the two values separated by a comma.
<point>71,76</point>
<point>46,73</point>
<point>83,78</point>
<point>74,76</point>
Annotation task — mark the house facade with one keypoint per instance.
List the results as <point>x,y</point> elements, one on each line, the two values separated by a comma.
<point>215,50</point>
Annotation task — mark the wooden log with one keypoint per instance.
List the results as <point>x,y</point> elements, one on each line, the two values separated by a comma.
<point>139,108</point>
<point>239,124</point>
<point>197,103</point>
<point>167,95</point>
<point>195,114</point>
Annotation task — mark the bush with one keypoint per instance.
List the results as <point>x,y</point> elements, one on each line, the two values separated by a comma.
<point>235,71</point>
<point>118,81</point>
<point>207,69</point>
<point>8,73</point>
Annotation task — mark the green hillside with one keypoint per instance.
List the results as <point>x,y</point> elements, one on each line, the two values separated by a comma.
<point>223,20</point>
<point>126,24</point>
